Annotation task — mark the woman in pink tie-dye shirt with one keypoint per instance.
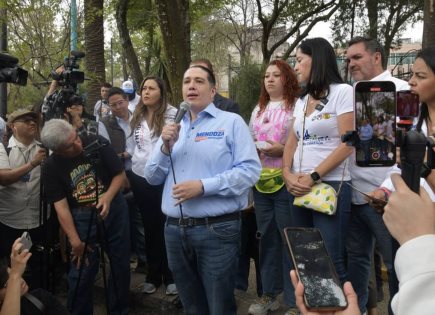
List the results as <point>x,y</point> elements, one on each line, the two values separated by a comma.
<point>270,122</point>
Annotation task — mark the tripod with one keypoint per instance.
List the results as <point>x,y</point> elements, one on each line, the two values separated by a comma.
<point>91,152</point>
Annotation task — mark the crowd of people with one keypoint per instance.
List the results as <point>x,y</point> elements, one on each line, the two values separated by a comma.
<point>193,196</point>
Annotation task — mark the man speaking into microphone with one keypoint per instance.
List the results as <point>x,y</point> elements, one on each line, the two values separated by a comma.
<point>214,163</point>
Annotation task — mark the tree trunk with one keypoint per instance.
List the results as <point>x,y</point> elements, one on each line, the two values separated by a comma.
<point>429,24</point>
<point>127,46</point>
<point>372,13</point>
<point>175,27</point>
<point>94,48</point>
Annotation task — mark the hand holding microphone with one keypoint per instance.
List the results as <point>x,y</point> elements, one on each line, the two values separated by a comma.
<point>170,132</point>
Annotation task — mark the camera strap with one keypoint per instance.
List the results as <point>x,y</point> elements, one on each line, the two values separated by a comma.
<point>36,302</point>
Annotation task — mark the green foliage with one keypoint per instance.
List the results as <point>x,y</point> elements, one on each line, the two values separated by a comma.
<point>246,86</point>
<point>37,37</point>
<point>393,16</point>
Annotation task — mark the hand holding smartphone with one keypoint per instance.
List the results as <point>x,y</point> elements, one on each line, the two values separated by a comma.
<point>315,270</point>
<point>376,201</point>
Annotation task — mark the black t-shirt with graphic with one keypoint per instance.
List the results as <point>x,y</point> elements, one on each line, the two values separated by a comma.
<point>74,178</point>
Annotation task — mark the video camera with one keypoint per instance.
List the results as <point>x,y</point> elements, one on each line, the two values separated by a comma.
<point>70,76</point>
<point>10,72</point>
<point>55,105</point>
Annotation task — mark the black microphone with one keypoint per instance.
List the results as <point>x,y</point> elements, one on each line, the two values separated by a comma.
<point>184,108</point>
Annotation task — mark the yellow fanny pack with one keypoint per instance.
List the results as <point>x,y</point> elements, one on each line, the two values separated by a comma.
<point>270,180</point>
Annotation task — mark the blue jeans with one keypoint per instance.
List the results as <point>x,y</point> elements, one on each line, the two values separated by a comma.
<point>203,260</point>
<point>118,250</point>
<point>332,227</point>
<point>273,215</point>
<point>366,226</point>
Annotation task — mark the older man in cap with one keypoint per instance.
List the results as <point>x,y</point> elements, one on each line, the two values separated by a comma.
<point>20,186</point>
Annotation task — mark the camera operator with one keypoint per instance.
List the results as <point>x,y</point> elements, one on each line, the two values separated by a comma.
<point>71,184</point>
<point>20,186</point>
<point>78,117</point>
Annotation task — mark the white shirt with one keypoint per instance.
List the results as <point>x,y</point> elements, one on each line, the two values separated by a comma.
<point>133,103</point>
<point>415,271</point>
<point>321,135</point>
<point>368,179</point>
<point>144,141</point>
<point>19,202</point>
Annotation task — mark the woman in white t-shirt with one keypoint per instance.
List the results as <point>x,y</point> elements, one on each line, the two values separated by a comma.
<point>151,114</point>
<point>322,114</point>
<point>270,123</point>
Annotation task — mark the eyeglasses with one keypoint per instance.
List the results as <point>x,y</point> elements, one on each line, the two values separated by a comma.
<point>117,103</point>
<point>26,120</point>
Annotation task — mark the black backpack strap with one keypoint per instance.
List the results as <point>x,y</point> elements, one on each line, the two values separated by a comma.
<point>36,302</point>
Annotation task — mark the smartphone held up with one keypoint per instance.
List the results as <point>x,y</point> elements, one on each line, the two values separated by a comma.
<point>379,111</point>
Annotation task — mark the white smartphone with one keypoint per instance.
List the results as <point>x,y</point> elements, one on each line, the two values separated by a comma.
<point>262,144</point>
<point>26,241</point>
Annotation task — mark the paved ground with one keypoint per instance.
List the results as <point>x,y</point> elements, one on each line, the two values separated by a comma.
<point>160,304</point>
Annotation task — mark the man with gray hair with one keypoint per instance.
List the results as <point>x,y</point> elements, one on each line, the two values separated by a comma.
<point>69,176</point>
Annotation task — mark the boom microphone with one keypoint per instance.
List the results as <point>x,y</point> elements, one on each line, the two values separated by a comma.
<point>184,108</point>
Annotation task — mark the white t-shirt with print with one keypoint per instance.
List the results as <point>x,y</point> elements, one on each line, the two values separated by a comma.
<point>321,135</point>
<point>145,141</point>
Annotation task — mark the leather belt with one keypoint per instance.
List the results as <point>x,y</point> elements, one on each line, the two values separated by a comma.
<point>188,222</point>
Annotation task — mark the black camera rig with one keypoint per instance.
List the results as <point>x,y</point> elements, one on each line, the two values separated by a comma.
<point>55,105</point>
<point>10,72</point>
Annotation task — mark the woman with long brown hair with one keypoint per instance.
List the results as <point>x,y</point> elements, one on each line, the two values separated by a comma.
<point>149,117</point>
<point>270,123</point>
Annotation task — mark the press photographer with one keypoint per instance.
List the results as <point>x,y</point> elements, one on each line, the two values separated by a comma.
<point>66,77</point>
<point>20,188</point>
<point>71,182</point>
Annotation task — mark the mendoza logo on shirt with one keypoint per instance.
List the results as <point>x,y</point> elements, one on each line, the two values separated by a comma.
<point>218,134</point>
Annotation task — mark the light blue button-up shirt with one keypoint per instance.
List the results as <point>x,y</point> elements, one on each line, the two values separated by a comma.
<point>216,148</point>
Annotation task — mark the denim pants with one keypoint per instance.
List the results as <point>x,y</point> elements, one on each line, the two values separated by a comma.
<point>366,226</point>
<point>332,227</point>
<point>117,235</point>
<point>203,260</point>
<point>273,215</point>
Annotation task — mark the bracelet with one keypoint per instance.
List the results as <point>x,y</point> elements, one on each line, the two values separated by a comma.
<point>162,150</point>
<point>31,164</point>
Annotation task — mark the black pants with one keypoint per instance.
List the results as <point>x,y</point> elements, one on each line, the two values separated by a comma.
<point>149,201</point>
